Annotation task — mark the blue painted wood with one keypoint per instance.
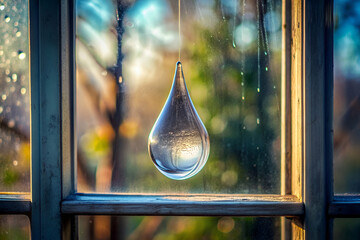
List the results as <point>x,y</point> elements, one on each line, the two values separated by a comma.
<point>15,203</point>
<point>45,118</point>
<point>318,103</point>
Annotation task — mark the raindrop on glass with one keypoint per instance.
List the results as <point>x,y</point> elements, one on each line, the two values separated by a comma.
<point>23,91</point>
<point>266,68</point>
<point>14,77</point>
<point>11,123</point>
<point>21,55</point>
<point>178,143</point>
<point>7,18</point>
<point>2,7</point>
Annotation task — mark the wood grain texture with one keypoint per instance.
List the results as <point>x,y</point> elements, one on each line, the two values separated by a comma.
<point>187,205</point>
<point>296,100</point>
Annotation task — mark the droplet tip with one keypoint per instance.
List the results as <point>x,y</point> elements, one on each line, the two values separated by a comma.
<point>178,63</point>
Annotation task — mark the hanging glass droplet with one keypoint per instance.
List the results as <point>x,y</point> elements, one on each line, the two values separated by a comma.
<point>178,143</point>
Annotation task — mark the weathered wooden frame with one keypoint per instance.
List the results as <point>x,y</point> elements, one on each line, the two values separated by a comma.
<point>307,86</point>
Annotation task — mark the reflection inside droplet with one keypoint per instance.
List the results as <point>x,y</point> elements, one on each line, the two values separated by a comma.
<point>179,143</point>
<point>21,55</point>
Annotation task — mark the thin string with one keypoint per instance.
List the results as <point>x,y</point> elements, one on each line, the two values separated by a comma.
<point>179,29</point>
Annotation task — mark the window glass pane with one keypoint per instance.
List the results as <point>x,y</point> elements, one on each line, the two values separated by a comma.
<point>157,227</point>
<point>347,228</point>
<point>126,55</point>
<point>14,97</point>
<point>14,227</point>
<point>347,96</point>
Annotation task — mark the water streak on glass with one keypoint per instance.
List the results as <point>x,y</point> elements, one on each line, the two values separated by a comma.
<point>179,143</point>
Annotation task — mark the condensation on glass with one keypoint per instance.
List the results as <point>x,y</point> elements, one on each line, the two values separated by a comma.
<point>346,96</point>
<point>163,228</point>
<point>14,226</point>
<point>14,97</point>
<point>231,51</point>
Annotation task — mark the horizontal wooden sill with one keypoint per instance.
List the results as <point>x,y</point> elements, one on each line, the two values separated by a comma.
<point>184,205</point>
<point>15,203</point>
<point>345,206</point>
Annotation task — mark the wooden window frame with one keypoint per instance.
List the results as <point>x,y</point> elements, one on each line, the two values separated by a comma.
<point>307,196</point>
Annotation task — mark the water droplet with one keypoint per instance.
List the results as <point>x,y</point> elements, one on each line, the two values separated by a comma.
<point>1,52</point>
<point>3,97</point>
<point>15,163</point>
<point>11,123</point>
<point>7,18</point>
<point>14,77</point>
<point>257,148</point>
<point>23,91</point>
<point>243,97</point>
<point>242,73</point>
<point>258,89</point>
<point>242,83</point>
<point>265,53</point>
<point>21,55</point>
<point>178,143</point>
<point>2,7</point>
<point>266,68</point>
<point>234,44</point>
<point>274,86</point>
<point>244,127</point>
<point>258,121</point>
<point>18,34</point>
<point>1,109</point>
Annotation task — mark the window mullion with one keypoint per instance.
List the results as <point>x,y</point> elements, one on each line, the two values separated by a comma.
<point>317,114</point>
<point>45,119</point>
